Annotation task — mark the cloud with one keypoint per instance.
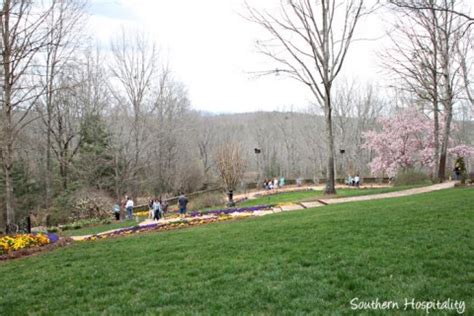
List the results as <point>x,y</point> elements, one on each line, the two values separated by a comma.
<point>113,9</point>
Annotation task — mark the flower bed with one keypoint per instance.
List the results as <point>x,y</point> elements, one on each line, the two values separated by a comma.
<point>194,219</point>
<point>160,226</point>
<point>22,241</point>
<point>231,210</point>
<point>141,213</point>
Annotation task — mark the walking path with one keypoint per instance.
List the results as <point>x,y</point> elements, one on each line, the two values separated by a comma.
<point>257,194</point>
<point>299,206</point>
<point>408,192</point>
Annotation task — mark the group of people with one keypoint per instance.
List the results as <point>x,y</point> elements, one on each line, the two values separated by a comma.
<point>269,184</point>
<point>353,181</point>
<point>157,207</point>
<point>127,204</point>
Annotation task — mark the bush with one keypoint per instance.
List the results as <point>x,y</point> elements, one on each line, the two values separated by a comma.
<point>207,200</point>
<point>190,178</point>
<point>90,204</point>
<point>56,216</point>
<point>411,177</point>
<point>53,229</point>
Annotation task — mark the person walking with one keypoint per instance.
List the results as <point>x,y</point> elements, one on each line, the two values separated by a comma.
<point>117,210</point>
<point>157,212</point>
<point>357,180</point>
<point>151,209</point>
<point>282,182</point>
<point>182,203</point>
<point>129,206</point>
<point>457,172</point>
<point>164,206</point>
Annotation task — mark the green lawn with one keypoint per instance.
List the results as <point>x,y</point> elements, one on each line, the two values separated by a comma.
<point>301,196</point>
<point>310,261</point>
<point>273,199</point>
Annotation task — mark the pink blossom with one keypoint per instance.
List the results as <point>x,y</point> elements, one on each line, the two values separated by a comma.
<point>406,140</point>
<point>461,151</point>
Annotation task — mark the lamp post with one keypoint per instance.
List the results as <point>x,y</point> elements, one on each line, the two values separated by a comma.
<point>257,152</point>
<point>342,151</point>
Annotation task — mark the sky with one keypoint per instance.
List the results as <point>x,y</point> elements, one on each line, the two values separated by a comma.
<point>210,47</point>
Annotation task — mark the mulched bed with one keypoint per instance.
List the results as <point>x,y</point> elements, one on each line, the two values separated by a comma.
<point>35,250</point>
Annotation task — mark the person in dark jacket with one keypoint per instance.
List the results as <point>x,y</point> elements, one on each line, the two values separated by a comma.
<point>182,203</point>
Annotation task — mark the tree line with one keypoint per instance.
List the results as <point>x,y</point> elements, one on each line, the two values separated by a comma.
<point>77,115</point>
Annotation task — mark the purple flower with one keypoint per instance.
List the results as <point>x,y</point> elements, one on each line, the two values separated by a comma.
<point>53,238</point>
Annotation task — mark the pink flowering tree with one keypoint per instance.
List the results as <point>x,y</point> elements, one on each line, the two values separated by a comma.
<point>463,151</point>
<point>406,141</point>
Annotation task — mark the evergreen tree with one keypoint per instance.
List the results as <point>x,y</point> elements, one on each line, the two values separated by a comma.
<point>94,164</point>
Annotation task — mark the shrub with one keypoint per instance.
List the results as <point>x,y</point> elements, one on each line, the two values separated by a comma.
<point>53,229</point>
<point>207,200</point>
<point>411,177</point>
<point>190,178</point>
<point>56,216</point>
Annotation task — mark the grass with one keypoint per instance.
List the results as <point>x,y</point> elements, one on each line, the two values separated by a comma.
<point>301,196</point>
<point>272,199</point>
<point>311,261</point>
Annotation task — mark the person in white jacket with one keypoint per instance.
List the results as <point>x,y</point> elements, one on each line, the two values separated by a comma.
<point>129,206</point>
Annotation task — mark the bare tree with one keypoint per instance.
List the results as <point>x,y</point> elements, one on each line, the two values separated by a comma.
<point>135,68</point>
<point>205,139</point>
<point>451,33</point>
<point>465,51</point>
<point>309,45</point>
<point>231,165</point>
<point>356,107</point>
<point>286,126</point>
<point>268,143</point>
<point>22,39</point>
<point>65,126</point>
<point>421,5</point>
<point>169,126</point>
<point>64,26</point>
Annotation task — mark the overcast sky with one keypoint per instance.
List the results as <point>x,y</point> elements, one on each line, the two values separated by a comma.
<point>210,48</point>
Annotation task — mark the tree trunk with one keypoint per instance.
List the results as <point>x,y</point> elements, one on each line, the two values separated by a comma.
<point>7,153</point>
<point>330,181</point>
<point>49,165</point>
<point>434,73</point>
<point>7,145</point>
<point>444,146</point>
<point>49,109</point>
<point>448,92</point>
<point>7,168</point>
<point>436,141</point>
<point>63,167</point>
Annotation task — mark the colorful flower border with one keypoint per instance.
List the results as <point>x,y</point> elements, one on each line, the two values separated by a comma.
<point>196,218</point>
<point>10,243</point>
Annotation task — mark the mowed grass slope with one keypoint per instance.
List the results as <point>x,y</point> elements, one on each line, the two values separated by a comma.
<point>310,261</point>
<point>312,195</point>
<point>288,197</point>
